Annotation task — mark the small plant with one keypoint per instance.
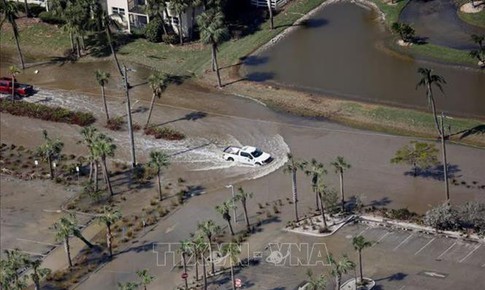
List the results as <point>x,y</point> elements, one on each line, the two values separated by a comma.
<point>164,133</point>
<point>276,209</point>
<point>260,205</point>
<point>115,124</point>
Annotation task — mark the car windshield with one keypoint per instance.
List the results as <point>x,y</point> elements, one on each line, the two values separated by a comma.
<point>257,153</point>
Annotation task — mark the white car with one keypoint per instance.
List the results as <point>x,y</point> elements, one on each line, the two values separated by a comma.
<point>247,155</point>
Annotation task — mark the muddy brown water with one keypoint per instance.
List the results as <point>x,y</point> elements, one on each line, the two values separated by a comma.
<point>339,54</point>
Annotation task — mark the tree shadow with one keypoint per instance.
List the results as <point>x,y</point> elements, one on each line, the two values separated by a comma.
<point>314,23</point>
<point>394,277</point>
<point>192,116</point>
<point>254,60</point>
<point>477,130</point>
<point>380,202</point>
<point>436,173</point>
<point>260,76</point>
<point>235,81</point>
<point>98,46</point>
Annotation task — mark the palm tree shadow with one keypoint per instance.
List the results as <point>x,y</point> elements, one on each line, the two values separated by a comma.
<point>436,173</point>
<point>192,116</point>
<point>260,76</point>
<point>394,277</point>
<point>380,202</point>
<point>477,130</point>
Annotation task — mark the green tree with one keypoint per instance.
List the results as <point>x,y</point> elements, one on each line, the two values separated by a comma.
<point>359,244</point>
<point>232,250</point>
<point>213,31</point>
<point>158,83</point>
<point>209,229</point>
<point>405,31</point>
<point>478,53</point>
<point>291,167</point>
<point>179,7</point>
<point>102,79</point>
<point>315,283</point>
<point>340,166</point>
<point>11,266</point>
<point>159,161</point>
<point>103,148</point>
<point>13,70</point>
<point>64,229</point>
<point>90,134</point>
<point>224,209</point>
<point>322,191</point>
<point>128,286</point>
<point>145,277</point>
<point>243,197</point>
<point>38,273</point>
<point>200,247</point>
<point>316,170</point>
<point>108,218</point>
<point>50,150</point>
<point>107,23</point>
<point>184,250</point>
<point>10,11</point>
<point>339,268</point>
<point>156,9</point>
<point>417,154</point>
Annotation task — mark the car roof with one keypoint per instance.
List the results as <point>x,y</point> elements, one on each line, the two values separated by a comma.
<point>249,148</point>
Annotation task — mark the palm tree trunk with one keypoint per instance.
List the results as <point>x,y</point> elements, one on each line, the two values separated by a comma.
<point>180,29</point>
<point>246,216</point>
<point>96,179</point>
<point>68,251</point>
<point>21,57</point>
<point>213,268</point>
<point>196,266</point>
<point>13,87</point>
<point>204,271</point>
<point>295,194</point>
<point>79,235</point>
<point>360,266</point>
<point>108,240</point>
<point>342,196</point>
<point>36,283</point>
<point>78,47</point>
<point>445,163</point>
<point>232,277</point>
<point>27,12</point>
<point>337,282</point>
<point>113,52</point>
<point>317,207</point>
<point>151,109</point>
<point>160,196</point>
<point>230,226</point>
<point>192,23</point>
<point>163,23</point>
<point>322,210</point>
<point>91,169</point>
<point>51,170</point>
<point>71,37</point>
<point>184,262</point>
<point>106,174</point>
<point>433,107</point>
<point>270,15</point>
<point>214,57</point>
<point>104,103</point>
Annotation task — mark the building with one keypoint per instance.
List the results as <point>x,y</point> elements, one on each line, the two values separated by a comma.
<point>275,4</point>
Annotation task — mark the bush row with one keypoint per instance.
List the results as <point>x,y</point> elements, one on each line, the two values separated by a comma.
<point>467,217</point>
<point>43,112</point>
<point>51,18</point>
<point>164,133</point>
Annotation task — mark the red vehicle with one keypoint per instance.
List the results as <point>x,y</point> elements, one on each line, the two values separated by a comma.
<point>22,90</point>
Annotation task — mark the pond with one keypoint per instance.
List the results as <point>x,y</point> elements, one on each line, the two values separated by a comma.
<point>340,53</point>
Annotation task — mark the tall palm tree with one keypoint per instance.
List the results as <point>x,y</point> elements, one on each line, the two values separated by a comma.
<point>213,32</point>
<point>316,170</point>
<point>38,273</point>
<point>209,229</point>
<point>179,7</point>
<point>10,11</point>
<point>184,250</point>
<point>339,268</point>
<point>159,160</point>
<point>158,83</point>
<point>359,244</point>
<point>201,248</point>
<point>90,133</point>
<point>321,190</point>
<point>291,167</point>
<point>50,150</point>
<point>13,70</point>
<point>232,250</point>
<point>315,283</point>
<point>108,218</point>
<point>428,79</point>
<point>71,221</point>
<point>146,278</point>
<point>271,25</point>
<point>102,79</point>
<point>340,166</point>
<point>63,231</point>
<point>107,22</point>
<point>198,244</point>
<point>243,197</point>
<point>103,148</point>
<point>10,270</point>
<point>224,209</point>
<point>157,8</point>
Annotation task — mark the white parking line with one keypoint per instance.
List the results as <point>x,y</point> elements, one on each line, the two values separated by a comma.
<point>383,236</point>
<point>363,231</point>
<point>419,251</point>
<point>468,255</point>
<point>42,243</point>
<point>400,244</point>
<point>446,250</point>
<point>402,287</point>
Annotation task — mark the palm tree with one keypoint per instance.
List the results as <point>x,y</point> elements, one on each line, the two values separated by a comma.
<point>339,268</point>
<point>316,171</point>
<point>321,190</point>
<point>198,245</point>
<point>63,231</point>
<point>102,79</point>
<point>428,80</point>
<point>159,160</point>
<point>209,228</point>
<point>315,283</point>
<point>104,147</point>
<point>359,244</point>
<point>90,134</point>
<point>10,10</point>
<point>145,277</point>
<point>340,166</point>
<point>108,218</point>
<point>291,167</point>
<point>480,52</point>
<point>243,197</point>
<point>158,83</point>
<point>107,22</point>
<point>232,250</point>
<point>71,221</point>
<point>38,273</point>
<point>179,7</point>
<point>224,209</point>
<point>213,32</point>
<point>10,270</point>
<point>185,249</point>
<point>13,70</point>
<point>50,150</point>
<point>271,26</point>
<point>157,8</point>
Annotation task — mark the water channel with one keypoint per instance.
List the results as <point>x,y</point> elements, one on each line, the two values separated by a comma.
<point>340,53</point>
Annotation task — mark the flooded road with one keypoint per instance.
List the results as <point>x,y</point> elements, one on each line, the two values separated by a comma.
<point>340,54</point>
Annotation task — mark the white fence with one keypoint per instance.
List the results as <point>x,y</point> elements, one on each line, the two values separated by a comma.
<point>275,4</point>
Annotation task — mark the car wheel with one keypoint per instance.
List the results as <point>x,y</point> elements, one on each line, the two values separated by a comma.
<point>259,164</point>
<point>230,159</point>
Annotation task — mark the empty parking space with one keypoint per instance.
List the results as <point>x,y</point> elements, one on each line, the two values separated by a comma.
<point>459,251</point>
<point>374,234</point>
<point>476,257</point>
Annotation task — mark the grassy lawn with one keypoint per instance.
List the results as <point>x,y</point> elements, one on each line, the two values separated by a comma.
<point>477,19</point>
<point>391,11</point>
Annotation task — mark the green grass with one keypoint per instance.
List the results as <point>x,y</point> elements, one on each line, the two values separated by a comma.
<point>477,19</point>
<point>391,11</point>
<point>439,53</point>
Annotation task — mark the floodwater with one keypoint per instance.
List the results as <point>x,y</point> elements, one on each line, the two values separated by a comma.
<point>340,53</point>
<point>439,23</point>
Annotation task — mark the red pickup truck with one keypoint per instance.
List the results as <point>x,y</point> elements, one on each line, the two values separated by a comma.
<point>22,90</point>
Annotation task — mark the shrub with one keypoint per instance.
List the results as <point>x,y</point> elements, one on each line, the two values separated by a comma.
<point>35,10</point>
<point>51,18</point>
<point>154,30</point>
<point>170,38</point>
<point>164,133</point>
<point>401,214</point>
<point>47,113</point>
<point>442,217</point>
<point>115,124</point>
<point>471,215</point>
